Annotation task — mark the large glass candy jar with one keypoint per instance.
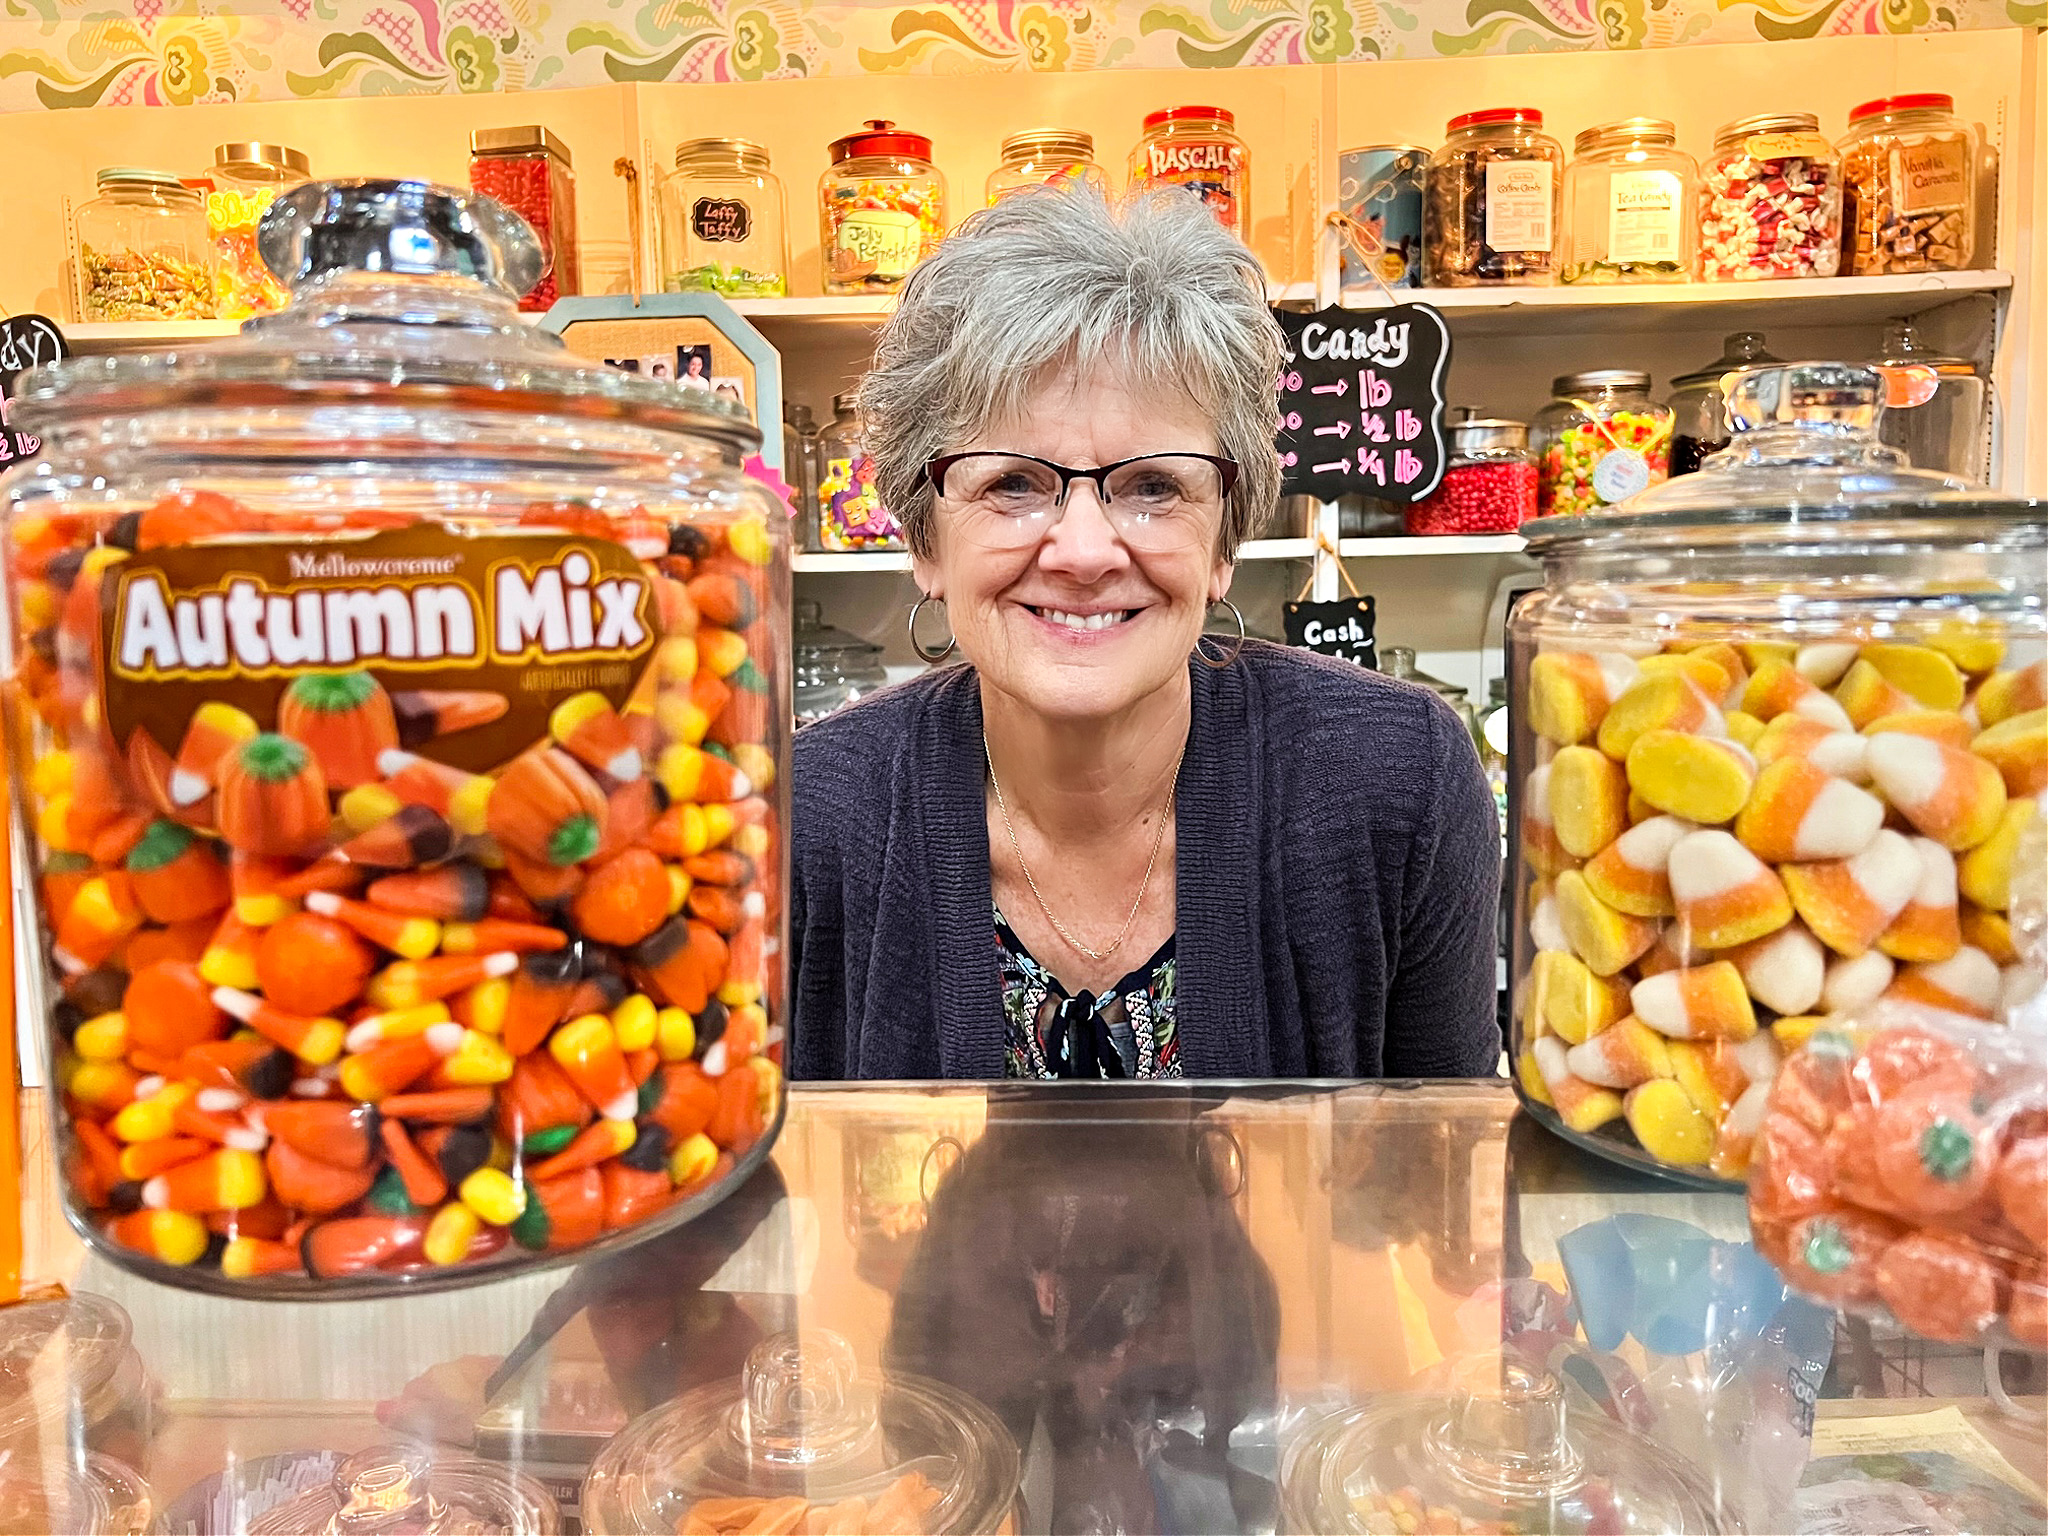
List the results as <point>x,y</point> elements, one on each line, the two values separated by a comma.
<point>404,709</point>
<point>1778,730</point>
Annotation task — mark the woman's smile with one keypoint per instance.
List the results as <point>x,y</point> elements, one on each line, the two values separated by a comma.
<point>1083,622</point>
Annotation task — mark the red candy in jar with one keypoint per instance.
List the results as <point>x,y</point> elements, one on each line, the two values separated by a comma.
<point>1489,485</point>
<point>529,171</point>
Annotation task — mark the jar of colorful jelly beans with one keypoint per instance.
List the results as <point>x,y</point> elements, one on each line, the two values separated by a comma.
<point>1602,439</point>
<point>1778,729</point>
<point>403,839</point>
<point>881,208</point>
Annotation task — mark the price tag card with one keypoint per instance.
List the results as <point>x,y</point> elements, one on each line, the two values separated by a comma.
<point>26,341</point>
<point>1362,403</point>
<point>1340,628</point>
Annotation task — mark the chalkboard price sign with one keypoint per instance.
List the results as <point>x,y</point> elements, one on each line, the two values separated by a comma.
<point>1361,402</point>
<point>26,341</point>
<point>1342,628</point>
<point>720,219</point>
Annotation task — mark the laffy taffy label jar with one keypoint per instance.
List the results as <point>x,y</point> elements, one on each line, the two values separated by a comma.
<point>1778,729</point>
<point>405,712</point>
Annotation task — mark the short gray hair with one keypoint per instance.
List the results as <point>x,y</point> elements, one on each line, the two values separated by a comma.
<point>1047,278</point>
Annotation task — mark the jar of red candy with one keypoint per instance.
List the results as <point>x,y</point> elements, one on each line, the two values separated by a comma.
<point>881,209</point>
<point>1489,485</point>
<point>403,846</point>
<point>528,170</point>
<point>1770,200</point>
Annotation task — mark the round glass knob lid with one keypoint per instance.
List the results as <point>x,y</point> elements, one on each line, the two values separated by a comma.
<point>409,228</point>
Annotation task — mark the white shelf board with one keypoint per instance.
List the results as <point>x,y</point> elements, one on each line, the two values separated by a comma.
<point>143,335</point>
<point>880,562</point>
<point>1276,549</point>
<point>1612,309</point>
<point>1447,544</point>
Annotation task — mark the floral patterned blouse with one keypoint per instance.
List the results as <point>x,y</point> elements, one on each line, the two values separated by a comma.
<point>1127,1031</point>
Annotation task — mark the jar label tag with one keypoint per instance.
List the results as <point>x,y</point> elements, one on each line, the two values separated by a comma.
<point>1931,176</point>
<point>454,646</point>
<point>1787,146</point>
<point>721,220</point>
<point>1644,216</point>
<point>877,242</point>
<point>1518,205</point>
<point>1620,474</point>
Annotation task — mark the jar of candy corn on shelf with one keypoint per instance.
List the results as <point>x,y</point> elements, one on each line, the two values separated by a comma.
<point>1779,727</point>
<point>405,707</point>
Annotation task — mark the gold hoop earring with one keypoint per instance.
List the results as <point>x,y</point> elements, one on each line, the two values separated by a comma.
<point>1202,655</point>
<point>931,658</point>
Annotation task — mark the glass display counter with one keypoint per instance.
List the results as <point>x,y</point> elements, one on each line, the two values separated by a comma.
<point>1375,1307</point>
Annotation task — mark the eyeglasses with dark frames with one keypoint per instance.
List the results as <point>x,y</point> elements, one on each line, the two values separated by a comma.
<point>1154,500</point>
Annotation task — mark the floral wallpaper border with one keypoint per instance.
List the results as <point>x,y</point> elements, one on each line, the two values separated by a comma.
<point>56,54</point>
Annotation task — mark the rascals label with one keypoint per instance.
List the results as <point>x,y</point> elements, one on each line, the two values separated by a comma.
<point>512,624</point>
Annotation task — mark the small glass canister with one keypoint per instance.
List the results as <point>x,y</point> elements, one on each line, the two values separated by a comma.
<point>850,511</point>
<point>722,223</point>
<point>1489,485</point>
<point>1939,417</point>
<point>1909,169</point>
<point>881,208</point>
<point>144,252</point>
<point>1699,410</point>
<point>1495,193</point>
<point>1047,157</point>
<point>529,170</point>
<point>1602,439</point>
<point>1380,190</point>
<point>1770,200</point>
<point>246,178</point>
<point>394,1488</point>
<point>70,1374</point>
<point>1630,204</point>
<point>1197,149</point>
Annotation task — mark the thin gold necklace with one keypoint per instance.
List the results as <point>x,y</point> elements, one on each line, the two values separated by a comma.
<point>1158,838</point>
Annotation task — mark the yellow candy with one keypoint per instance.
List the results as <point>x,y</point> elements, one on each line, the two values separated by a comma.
<point>1990,932</point>
<point>484,1004</point>
<point>367,806</point>
<point>2018,748</point>
<point>678,887</point>
<point>51,774</point>
<point>1936,725</point>
<point>1760,653</point>
<point>1605,939</point>
<point>1976,648</point>
<point>748,539</point>
<point>757,763</point>
<point>100,1084</point>
<point>767,1077</point>
<point>1621,1056</point>
<point>1697,1067</point>
<point>150,1119</point>
<point>53,824</point>
<point>1531,1079</point>
<point>102,1039</point>
<point>1700,778</point>
<point>692,1160</point>
<point>1701,667</point>
<point>1667,1123</point>
<point>1984,874</point>
<point>1920,670</point>
<point>635,1022</point>
<point>1567,696</point>
<point>478,1062</point>
<point>451,1234</point>
<point>575,711</point>
<point>675,1035</point>
<point>2005,694</point>
<point>1744,729</point>
<point>1664,701</point>
<point>1867,694</point>
<point>721,652</point>
<point>1569,1000</point>
<point>1581,1105</point>
<point>1588,800</point>
<point>1795,1029</point>
<point>494,1195</point>
<point>177,1237</point>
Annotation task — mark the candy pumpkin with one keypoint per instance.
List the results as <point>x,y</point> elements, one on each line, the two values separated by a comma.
<point>273,797</point>
<point>547,808</point>
<point>345,719</point>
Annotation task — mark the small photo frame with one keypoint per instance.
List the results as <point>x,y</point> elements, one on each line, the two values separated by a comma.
<point>693,365</point>
<point>727,387</point>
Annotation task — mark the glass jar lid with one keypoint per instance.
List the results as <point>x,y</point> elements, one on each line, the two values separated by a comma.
<point>810,632</point>
<point>402,293</point>
<point>1593,380</point>
<point>882,137</point>
<point>743,153</point>
<point>1481,434</point>
<point>93,1496</point>
<point>71,1347</point>
<point>803,1424</point>
<point>1923,101</point>
<point>1503,1450</point>
<point>524,139</point>
<point>1049,144</point>
<point>1627,130</point>
<point>1216,117</point>
<point>411,1489</point>
<point>1765,122</point>
<point>1740,349</point>
<point>133,178</point>
<point>1903,348</point>
<point>1492,115</point>
<point>253,158</point>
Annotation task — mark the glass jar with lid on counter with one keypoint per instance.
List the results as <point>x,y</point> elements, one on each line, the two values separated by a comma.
<point>881,208</point>
<point>1699,410</point>
<point>1197,149</point>
<point>1764,767</point>
<point>1047,157</point>
<point>1940,417</point>
<point>850,511</point>
<point>1489,483</point>
<point>246,178</point>
<point>1602,439</point>
<point>1630,205</point>
<point>144,251</point>
<point>1494,200</point>
<point>529,170</point>
<point>1909,173</point>
<point>1770,200</point>
<point>722,223</point>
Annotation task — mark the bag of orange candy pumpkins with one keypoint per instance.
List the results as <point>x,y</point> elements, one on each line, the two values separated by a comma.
<point>1901,1171</point>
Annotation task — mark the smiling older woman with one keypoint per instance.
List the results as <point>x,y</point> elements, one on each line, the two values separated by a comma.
<point>1100,848</point>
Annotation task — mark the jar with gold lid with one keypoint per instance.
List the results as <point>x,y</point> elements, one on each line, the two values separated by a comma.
<point>722,222</point>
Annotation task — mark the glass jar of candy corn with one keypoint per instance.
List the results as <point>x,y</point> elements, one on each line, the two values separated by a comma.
<point>1778,730</point>
<point>405,829</point>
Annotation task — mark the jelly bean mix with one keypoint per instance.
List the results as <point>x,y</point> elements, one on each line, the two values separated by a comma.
<point>1728,842</point>
<point>1597,462</point>
<point>332,1006</point>
<point>1902,1168</point>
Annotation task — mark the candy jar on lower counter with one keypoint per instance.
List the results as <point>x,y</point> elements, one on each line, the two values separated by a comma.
<point>69,1372</point>
<point>806,1441</point>
<point>392,1490</point>
<point>1778,729</point>
<point>404,711</point>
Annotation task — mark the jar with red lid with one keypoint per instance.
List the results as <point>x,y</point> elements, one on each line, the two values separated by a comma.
<point>1909,187</point>
<point>1489,483</point>
<point>881,208</point>
<point>1197,149</point>
<point>1492,204</point>
<point>529,170</point>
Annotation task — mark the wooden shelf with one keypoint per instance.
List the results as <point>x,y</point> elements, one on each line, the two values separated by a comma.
<point>857,562</point>
<point>1615,309</point>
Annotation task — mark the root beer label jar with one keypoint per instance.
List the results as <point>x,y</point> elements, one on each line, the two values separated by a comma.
<point>405,712</point>
<point>1197,150</point>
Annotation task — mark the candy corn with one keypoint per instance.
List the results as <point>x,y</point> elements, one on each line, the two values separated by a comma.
<point>2003,695</point>
<point>411,938</point>
<point>169,1237</point>
<point>1658,701</point>
<point>1631,874</point>
<point>1929,926</point>
<point>1583,1106</point>
<point>1849,902</point>
<point>223,1180</point>
<point>1953,797</point>
<point>452,893</point>
<point>1796,811</point>
<point>1776,688</point>
<point>1984,874</point>
<point>587,1051</point>
<point>409,982</point>
<point>1724,895</point>
<point>215,730</point>
<point>1624,1054</point>
<point>1708,1002</point>
<point>1853,984</point>
<point>1570,692</point>
<point>1967,982</point>
<point>2017,747</point>
<point>1669,1126</point>
<point>424,714</point>
<point>589,730</point>
<point>463,799</point>
<point>1785,971</point>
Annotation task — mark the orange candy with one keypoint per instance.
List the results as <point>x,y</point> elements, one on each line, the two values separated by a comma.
<point>624,900</point>
<point>311,964</point>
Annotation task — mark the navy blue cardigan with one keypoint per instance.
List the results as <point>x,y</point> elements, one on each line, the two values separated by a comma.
<point>1338,869</point>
